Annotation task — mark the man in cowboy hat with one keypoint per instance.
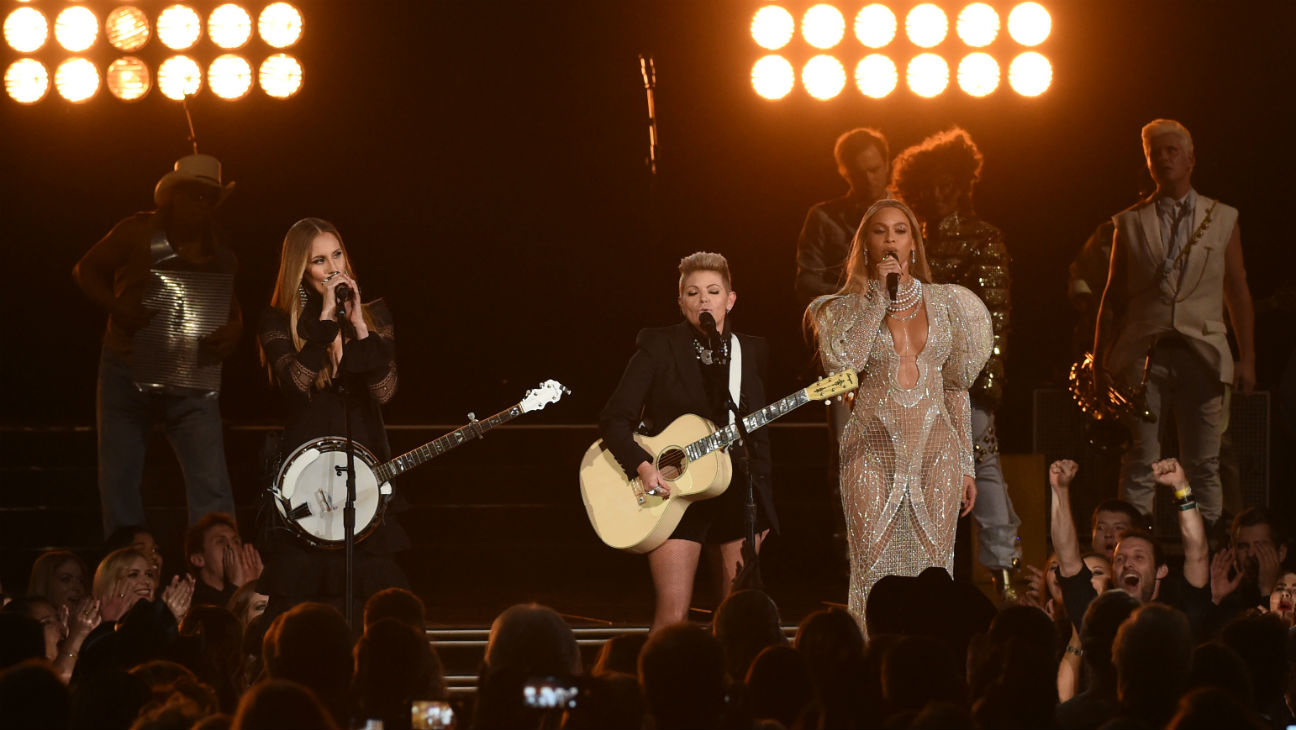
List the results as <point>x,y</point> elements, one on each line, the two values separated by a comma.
<point>166,368</point>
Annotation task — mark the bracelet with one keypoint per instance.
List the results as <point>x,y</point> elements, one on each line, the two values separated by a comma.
<point>70,654</point>
<point>1181,494</point>
<point>1072,650</point>
<point>1185,506</point>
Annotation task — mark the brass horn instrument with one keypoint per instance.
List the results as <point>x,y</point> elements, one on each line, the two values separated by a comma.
<point>1107,410</point>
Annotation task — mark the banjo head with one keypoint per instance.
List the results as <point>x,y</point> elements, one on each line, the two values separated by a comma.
<point>310,492</point>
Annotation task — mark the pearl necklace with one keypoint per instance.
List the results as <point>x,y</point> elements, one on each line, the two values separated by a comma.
<point>906,298</point>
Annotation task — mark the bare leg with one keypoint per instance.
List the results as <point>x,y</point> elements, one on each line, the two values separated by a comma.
<point>673,566</point>
<point>731,562</point>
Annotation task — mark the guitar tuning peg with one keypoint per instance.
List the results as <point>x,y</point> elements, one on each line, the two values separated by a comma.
<point>472,416</point>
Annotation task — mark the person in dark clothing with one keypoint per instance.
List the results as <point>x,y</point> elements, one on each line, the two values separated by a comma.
<point>670,376</point>
<point>1247,572</point>
<point>309,352</point>
<point>164,369</point>
<point>218,559</point>
<point>1138,565</point>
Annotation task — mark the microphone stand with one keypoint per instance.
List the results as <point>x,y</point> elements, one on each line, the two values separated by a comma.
<point>348,510</point>
<point>750,576</point>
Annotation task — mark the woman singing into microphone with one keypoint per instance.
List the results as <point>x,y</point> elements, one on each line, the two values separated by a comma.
<point>324,365</point>
<point>906,452</point>
<point>669,375</point>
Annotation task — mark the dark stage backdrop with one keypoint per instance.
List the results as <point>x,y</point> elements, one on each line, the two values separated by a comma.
<point>484,161</point>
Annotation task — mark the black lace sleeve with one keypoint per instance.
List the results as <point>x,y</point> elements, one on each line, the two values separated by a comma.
<point>295,371</point>
<point>374,357</point>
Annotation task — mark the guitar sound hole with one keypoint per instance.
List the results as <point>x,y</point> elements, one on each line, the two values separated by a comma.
<point>671,463</point>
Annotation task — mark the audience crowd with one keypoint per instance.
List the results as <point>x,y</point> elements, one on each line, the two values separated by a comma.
<point>1109,635</point>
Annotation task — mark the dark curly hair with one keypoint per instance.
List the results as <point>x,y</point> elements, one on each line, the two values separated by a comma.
<point>917,169</point>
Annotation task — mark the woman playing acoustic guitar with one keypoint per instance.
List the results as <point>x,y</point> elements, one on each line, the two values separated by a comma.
<point>677,370</point>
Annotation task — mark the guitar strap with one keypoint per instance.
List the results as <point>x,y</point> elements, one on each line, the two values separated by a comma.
<point>735,372</point>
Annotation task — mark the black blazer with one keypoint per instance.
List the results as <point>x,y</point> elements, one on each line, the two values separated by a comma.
<point>662,382</point>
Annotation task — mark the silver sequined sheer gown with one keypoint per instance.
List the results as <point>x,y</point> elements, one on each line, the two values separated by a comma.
<point>904,451</point>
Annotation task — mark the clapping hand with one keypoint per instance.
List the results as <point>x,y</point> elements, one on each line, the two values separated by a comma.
<point>179,595</point>
<point>115,605</point>
<point>1223,578</point>
<point>82,617</point>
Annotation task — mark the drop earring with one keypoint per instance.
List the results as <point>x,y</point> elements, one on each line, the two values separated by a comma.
<point>301,295</point>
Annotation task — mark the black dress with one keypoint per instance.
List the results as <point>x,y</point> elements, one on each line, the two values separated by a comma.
<point>295,571</point>
<point>664,380</point>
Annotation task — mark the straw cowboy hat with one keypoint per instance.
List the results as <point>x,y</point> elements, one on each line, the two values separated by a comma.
<point>200,169</point>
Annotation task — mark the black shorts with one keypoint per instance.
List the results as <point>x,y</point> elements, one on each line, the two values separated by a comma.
<point>721,519</point>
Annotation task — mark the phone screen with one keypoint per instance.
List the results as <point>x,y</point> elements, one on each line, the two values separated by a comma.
<point>550,693</point>
<point>431,715</point>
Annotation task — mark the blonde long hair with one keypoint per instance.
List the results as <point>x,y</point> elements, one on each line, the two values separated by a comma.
<point>111,567</point>
<point>857,264</point>
<point>290,282</point>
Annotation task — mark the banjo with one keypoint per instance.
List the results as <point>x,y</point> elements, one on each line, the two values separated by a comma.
<point>310,489</point>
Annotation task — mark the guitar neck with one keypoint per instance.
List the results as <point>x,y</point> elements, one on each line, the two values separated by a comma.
<point>439,446</point>
<point>752,421</point>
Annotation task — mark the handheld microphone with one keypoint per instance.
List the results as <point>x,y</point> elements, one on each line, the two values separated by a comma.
<point>342,293</point>
<point>893,284</point>
<point>708,323</point>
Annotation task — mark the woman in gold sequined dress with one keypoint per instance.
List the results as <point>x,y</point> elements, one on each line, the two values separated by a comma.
<point>906,454</point>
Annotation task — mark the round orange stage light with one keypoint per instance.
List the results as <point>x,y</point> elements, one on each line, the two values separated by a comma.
<point>773,77</point>
<point>26,30</point>
<point>978,25</point>
<point>127,28</point>
<point>178,27</point>
<point>823,26</point>
<point>1029,24</point>
<point>772,27</point>
<point>875,25</point>
<point>230,77</point>
<point>876,75</point>
<point>280,25</point>
<point>281,76</point>
<point>229,26</point>
<point>1030,74</point>
<point>129,78</point>
<point>823,77</point>
<point>26,81</point>
<point>927,75</point>
<point>926,25</point>
<point>178,77</point>
<point>76,79</point>
<point>978,74</point>
<point>76,29</point>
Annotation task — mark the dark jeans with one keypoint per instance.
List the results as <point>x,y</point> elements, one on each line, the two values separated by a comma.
<point>125,416</point>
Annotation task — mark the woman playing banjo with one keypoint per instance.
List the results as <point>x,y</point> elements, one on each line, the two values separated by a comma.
<point>326,365</point>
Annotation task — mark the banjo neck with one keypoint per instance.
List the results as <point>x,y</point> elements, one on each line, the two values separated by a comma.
<point>474,429</point>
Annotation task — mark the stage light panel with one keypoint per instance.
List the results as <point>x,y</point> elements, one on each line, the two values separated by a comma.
<point>128,78</point>
<point>773,77</point>
<point>230,77</point>
<point>179,27</point>
<point>1030,74</point>
<point>823,77</point>
<point>978,74</point>
<point>280,25</point>
<point>927,74</point>
<point>76,79</point>
<point>875,25</point>
<point>26,81</point>
<point>926,25</point>
<point>978,25</point>
<point>178,77</point>
<point>26,30</point>
<point>127,28</point>
<point>229,26</point>
<point>772,27</point>
<point>1029,24</point>
<point>76,29</point>
<point>876,75</point>
<point>823,26</point>
<point>281,76</point>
